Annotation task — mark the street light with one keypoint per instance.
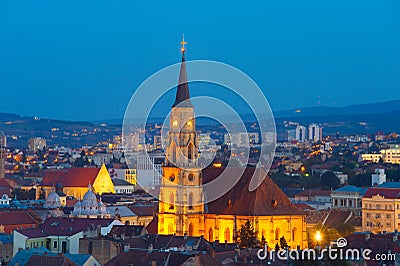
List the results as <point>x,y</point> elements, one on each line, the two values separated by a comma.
<point>318,236</point>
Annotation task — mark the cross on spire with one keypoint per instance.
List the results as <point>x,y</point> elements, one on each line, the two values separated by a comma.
<point>183,43</point>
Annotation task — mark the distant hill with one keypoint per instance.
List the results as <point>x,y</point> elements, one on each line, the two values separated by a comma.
<point>353,119</point>
<point>57,132</point>
<point>371,108</point>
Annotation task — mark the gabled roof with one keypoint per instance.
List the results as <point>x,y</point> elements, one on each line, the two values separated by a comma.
<point>142,257</point>
<point>16,218</point>
<point>51,177</point>
<point>127,230</point>
<point>50,259</point>
<point>123,211</point>
<point>389,193</point>
<point>23,255</point>
<point>162,242</point>
<point>337,217</point>
<point>390,185</point>
<point>303,206</point>
<point>4,184</point>
<point>350,188</point>
<point>314,192</point>
<point>79,259</point>
<point>152,227</point>
<point>144,210</point>
<point>121,182</point>
<point>73,177</point>
<point>268,199</point>
<point>65,226</point>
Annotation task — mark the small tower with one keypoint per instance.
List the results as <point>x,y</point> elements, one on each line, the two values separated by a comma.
<point>181,208</point>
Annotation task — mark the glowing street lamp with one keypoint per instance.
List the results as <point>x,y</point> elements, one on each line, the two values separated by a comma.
<point>318,236</point>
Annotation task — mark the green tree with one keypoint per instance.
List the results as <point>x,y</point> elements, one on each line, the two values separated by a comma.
<point>283,243</point>
<point>263,242</point>
<point>247,236</point>
<point>330,181</point>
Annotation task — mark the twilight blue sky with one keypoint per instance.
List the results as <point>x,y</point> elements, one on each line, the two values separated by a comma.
<point>82,60</point>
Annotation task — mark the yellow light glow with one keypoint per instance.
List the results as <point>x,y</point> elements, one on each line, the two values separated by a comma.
<point>217,165</point>
<point>175,123</point>
<point>189,123</point>
<point>183,44</point>
<point>318,236</point>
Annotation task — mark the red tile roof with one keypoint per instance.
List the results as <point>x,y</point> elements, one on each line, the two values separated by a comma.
<point>268,199</point>
<point>16,218</point>
<point>51,177</point>
<point>303,206</point>
<point>4,184</point>
<point>65,226</point>
<point>152,227</point>
<point>337,217</point>
<point>389,193</point>
<point>50,259</point>
<point>144,210</point>
<point>314,192</point>
<point>73,177</point>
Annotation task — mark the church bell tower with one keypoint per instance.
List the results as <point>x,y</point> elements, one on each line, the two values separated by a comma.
<point>181,207</point>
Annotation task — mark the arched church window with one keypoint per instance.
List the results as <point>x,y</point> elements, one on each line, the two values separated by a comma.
<point>171,201</point>
<point>277,233</point>
<point>227,235</point>
<point>210,235</point>
<point>294,234</point>
<point>190,201</point>
<point>191,229</point>
<point>190,151</point>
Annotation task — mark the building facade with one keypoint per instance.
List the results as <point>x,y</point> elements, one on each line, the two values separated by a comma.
<point>314,132</point>
<point>301,133</point>
<point>36,143</point>
<point>381,210</point>
<point>348,198</point>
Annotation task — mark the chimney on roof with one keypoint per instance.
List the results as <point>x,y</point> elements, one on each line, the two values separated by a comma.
<point>367,236</point>
<point>395,235</point>
<point>185,236</point>
<point>127,247</point>
<point>150,248</point>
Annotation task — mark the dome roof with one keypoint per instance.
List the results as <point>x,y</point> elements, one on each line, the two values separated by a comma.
<point>53,200</point>
<point>89,205</point>
<point>89,199</point>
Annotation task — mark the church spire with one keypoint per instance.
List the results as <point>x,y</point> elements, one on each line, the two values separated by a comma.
<point>182,94</point>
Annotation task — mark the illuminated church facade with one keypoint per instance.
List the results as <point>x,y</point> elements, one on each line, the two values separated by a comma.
<point>182,208</point>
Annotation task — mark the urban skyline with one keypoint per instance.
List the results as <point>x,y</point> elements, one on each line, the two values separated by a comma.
<point>314,52</point>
